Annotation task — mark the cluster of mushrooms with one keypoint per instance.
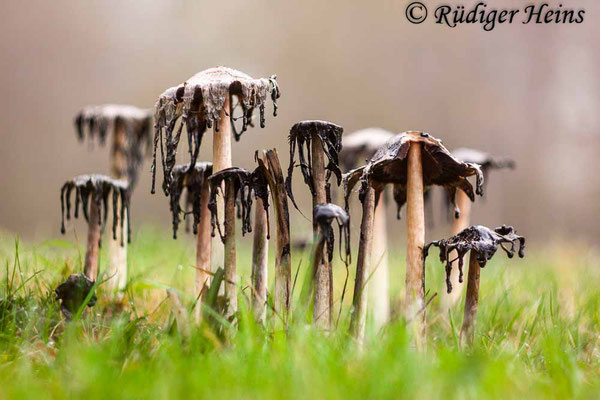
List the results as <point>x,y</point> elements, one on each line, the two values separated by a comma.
<point>218,194</point>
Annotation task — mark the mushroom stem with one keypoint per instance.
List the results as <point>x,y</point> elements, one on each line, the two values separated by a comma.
<point>467,331</point>
<point>221,161</point>
<point>93,241</point>
<point>203,248</point>
<point>229,257</point>
<point>117,248</point>
<point>379,282</point>
<point>260,257</point>
<point>458,225</point>
<point>323,279</point>
<point>363,267</point>
<point>283,272</point>
<point>415,238</point>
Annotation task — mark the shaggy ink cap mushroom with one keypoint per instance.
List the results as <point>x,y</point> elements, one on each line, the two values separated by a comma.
<point>440,167</point>
<point>73,292</point>
<point>480,239</point>
<point>97,121</point>
<point>324,215</point>
<point>246,186</point>
<point>96,188</point>
<point>198,102</point>
<point>193,180</point>
<point>301,135</point>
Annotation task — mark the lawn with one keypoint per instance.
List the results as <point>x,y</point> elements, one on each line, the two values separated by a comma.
<point>537,334</point>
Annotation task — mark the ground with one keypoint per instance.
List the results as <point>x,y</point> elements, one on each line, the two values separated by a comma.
<point>537,334</point>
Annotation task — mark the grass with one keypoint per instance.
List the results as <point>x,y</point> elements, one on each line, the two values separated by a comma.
<point>537,335</point>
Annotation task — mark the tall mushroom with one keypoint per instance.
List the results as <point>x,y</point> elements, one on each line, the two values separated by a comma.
<point>413,161</point>
<point>131,129</point>
<point>195,182</point>
<point>317,140</point>
<point>462,211</point>
<point>269,164</point>
<point>358,147</point>
<point>483,243</point>
<point>207,100</point>
<point>240,187</point>
<point>324,215</point>
<point>92,196</point>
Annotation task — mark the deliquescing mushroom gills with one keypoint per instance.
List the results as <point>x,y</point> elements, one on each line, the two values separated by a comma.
<point>194,181</point>
<point>92,194</point>
<point>131,129</point>
<point>313,139</point>
<point>201,102</point>
<point>240,187</point>
<point>357,148</point>
<point>73,292</point>
<point>483,240</point>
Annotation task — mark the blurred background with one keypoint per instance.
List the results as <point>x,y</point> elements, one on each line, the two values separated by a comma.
<point>529,92</point>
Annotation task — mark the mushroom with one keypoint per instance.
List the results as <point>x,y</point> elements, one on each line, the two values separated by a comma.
<point>483,243</point>
<point>358,147</point>
<point>240,186</point>
<point>92,192</point>
<point>207,100</point>
<point>131,129</point>
<point>317,140</point>
<point>462,211</point>
<point>73,292</point>
<point>413,161</point>
<point>269,166</point>
<point>323,216</point>
<point>195,181</point>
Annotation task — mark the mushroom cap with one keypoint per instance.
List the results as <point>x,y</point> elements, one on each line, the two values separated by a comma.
<point>100,118</point>
<point>73,292</point>
<point>308,127</point>
<point>202,169</point>
<point>97,181</point>
<point>361,145</point>
<point>199,102</point>
<point>485,160</point>
<point>440,167</point>
<point>483,240</point>
<point>324,214</point>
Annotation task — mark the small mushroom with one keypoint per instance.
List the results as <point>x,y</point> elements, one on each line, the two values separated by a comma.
<point>207,100</point>
<point>131,135</point>
<point>462,211</point>
<point>324,215</point>
<point>317,140</point>
<point>413,161</point>
<point>240,187</point>
<point>73,292</point>
<point>359,147</point>
<point>92,193</point>
<point>483,243</point>
<point>195,182</point>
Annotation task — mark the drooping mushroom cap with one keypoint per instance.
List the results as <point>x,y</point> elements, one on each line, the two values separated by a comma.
<point>360,146</point>
<point>97,188</point>
<point>199,101</point>
<point>301,135</point>
<point>137,123</point>
<point>194,181</point>
<point>389,165</point>
<point>246,185</point>
<point>480,239</point>
<point>324,215</point>
<point>73,292</point>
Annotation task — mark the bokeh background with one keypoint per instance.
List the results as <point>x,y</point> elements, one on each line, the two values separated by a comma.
<point>529,92</point>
